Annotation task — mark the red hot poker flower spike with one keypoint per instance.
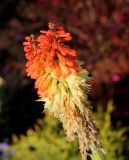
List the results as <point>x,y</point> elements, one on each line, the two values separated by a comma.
<point>62,84</point>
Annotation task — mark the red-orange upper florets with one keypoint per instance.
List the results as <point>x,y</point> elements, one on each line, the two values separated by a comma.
<point>49,51</point>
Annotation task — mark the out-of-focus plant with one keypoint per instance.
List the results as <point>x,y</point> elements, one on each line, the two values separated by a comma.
<point>45,142</point>
<point>5,151</point>
<point>112,139</point>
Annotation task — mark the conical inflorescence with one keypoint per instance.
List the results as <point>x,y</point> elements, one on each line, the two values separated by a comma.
<point>63,84</point>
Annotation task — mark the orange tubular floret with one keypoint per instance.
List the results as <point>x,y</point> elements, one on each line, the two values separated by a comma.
<point>46,84</point>
<point>62,59</point>
<point>57,69</point>
<point>69,51</point>
<point>60,48</point>
<point>71,63</point>
<point>64,69</point>
<point>40,81</point>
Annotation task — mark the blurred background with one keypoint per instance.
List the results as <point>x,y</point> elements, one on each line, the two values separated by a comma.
<point>100,31</point>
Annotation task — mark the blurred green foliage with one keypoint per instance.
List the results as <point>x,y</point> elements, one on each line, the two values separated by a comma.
<point>112,139</point>
<point>46,141</point>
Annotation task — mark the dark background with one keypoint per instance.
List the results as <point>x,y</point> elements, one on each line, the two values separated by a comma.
<point>100,31</point>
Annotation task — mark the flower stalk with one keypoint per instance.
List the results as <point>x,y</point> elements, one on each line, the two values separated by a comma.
<point>63,84</point>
